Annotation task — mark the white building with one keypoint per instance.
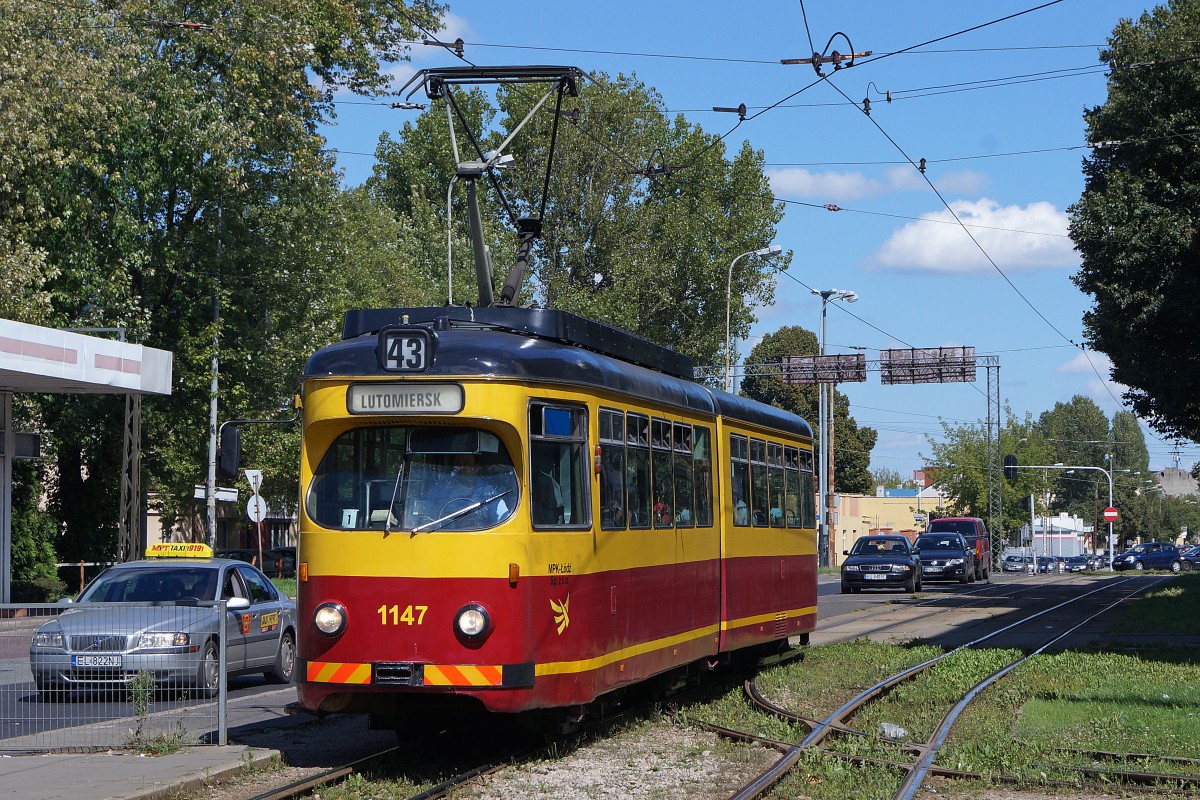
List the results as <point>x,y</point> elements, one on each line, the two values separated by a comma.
<point>1061,535</point>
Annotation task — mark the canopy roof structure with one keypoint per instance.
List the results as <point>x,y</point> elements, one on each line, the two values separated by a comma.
<point>50,361</point>
<point>37,359</point>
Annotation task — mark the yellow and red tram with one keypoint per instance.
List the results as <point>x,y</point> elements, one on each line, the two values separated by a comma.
<point>511,509</point>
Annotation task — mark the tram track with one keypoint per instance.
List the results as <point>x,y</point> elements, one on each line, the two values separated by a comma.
<point>915,772</point>
<point>1116,767</point>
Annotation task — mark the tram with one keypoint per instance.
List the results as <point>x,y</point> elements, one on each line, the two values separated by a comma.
<point>516,510</point>
<point>511,509</point>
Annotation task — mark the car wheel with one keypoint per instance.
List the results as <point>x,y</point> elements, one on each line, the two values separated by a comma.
<point>1139,566</point>
<point>911,585</point>
<point>285,661</point>
<point>208,678</point>
<point>1176,567</point>
<point>1186,566</point>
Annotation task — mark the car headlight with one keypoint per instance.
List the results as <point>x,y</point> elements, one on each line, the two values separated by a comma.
<point>330,619</point>
<point>901,567</point>
<point>956,562</point>
<point>48,639</point>
<point>850,568</point>
<point>158,641</point>
<point>472,622</point>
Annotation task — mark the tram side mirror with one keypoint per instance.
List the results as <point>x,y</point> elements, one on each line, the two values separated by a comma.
<point>229,456</point>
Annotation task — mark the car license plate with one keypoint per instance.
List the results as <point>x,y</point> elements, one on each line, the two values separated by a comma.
<point>931,569</point>
<point>96,661</point>
<point>875,577</point>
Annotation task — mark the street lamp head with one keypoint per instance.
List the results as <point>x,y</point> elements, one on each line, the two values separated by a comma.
<point>773,250</point>
<point>850,297</point>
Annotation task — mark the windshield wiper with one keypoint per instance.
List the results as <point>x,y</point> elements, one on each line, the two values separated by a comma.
<point>387,525</point>
<point>462,512</point>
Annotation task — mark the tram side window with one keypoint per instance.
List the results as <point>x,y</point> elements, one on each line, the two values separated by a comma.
<point>808,497</point>
<point>637,448</point>
<point>776,483</point>
<point>662,480</point>
<point>702,463</point>
<point>612,470</point>
<point>758,482</point>
<point>559,465</point>
<point>739,453</point>
<point>792,501</point>
<point>685,491</point>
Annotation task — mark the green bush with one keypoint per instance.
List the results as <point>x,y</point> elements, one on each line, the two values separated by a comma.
<point>41,590</point>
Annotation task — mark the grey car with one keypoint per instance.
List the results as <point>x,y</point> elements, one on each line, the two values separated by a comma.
<point>148,616</point>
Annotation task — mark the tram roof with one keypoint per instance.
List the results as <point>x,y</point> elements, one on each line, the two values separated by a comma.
<point>544,345</point>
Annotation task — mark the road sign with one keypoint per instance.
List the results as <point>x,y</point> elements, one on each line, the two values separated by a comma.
<point>1110,514</point>
<point>254,476</point>
<point>256,509</point>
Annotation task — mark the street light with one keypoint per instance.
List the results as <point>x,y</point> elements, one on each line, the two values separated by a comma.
<point>773,250</point>
<point>1111,552</point>
<point>825,499</point>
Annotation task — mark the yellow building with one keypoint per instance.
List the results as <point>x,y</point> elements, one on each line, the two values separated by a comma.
<point>888,511</point>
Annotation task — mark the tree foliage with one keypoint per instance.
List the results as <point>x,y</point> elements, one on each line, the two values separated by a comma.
<point>1136,224</point>
<point>852,445</point>
<point>649,255</point>
<point>168,179</point>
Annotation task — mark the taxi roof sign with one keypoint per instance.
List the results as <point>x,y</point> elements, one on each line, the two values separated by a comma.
<point>179,550</point>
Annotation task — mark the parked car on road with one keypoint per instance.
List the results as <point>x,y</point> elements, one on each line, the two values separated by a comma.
<point>278,562</point>
<point>945,556</point>
<point>881,562</point>
<point>1075,563</point>
<point>1047,564</point>
<point>145,616</point>
<point>1150,555</point>
<point>1016,563</point>
<point>976,534</point>
<point>1189,559</point>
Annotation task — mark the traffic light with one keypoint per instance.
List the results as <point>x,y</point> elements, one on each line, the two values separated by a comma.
<point>1010,467</point>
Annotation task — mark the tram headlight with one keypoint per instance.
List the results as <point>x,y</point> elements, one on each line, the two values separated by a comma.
<point>472,622</point>
<point>329,619</point>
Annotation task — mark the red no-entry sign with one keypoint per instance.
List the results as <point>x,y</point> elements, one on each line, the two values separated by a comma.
<point>1110,514</point>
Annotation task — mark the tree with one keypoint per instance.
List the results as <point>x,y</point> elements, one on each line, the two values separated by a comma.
<point>890,478</point>
<point>1135,224</point>
<point>1078,432</point>
<point>651,256</point>
<point>168,179</point>
<point>959,464</point>
<point>852,445</point>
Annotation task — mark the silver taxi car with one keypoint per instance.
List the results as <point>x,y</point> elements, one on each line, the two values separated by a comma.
<point>146,616</point>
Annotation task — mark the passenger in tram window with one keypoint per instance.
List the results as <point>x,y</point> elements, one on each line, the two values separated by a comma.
<point>741,514</point>
<point>662,513</point>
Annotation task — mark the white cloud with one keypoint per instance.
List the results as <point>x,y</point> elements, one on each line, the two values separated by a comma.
<point>827,186</point>
<point>841,187</point>
<point>1016,238</point>
<point>1082,363</point>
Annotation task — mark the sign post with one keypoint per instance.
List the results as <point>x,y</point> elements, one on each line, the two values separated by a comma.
<point>256,509</point>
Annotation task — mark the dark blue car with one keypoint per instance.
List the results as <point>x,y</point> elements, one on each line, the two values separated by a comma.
<point>1149,555</point>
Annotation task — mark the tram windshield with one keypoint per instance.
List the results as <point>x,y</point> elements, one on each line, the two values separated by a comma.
<point>413,479</point>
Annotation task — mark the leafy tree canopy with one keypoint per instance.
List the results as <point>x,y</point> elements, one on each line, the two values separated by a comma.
<point>1136,224</point>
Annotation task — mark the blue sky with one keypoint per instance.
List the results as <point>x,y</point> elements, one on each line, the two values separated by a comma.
<point>996,112</point>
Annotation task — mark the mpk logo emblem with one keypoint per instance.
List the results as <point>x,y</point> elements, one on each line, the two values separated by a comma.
<point>560,613</point>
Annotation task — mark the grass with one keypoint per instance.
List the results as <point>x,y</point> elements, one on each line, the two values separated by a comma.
<point>1168,609</point>
<point>1095,701</point>
<point>285,585</point>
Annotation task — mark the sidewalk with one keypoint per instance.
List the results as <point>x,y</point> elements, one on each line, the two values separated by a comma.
<point>263,732</point>
<point>119,775</point>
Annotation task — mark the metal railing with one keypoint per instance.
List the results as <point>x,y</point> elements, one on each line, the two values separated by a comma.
<point>83,677</point>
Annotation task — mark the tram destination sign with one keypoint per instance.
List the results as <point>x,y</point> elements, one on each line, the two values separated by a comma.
<point>404,398</point>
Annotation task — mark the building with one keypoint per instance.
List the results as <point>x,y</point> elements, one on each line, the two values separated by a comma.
<point>900,511</point>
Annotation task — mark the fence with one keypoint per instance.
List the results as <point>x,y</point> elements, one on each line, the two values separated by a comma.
<point>83,677</point>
